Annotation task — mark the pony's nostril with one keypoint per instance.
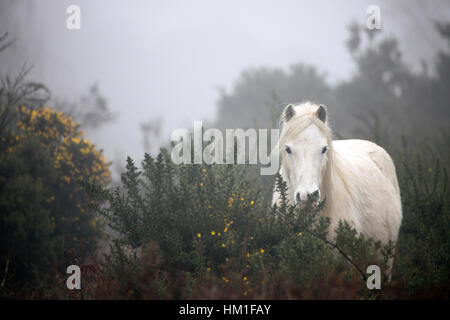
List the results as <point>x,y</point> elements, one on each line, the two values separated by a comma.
<point>315,194</point>
<point>297,196</point>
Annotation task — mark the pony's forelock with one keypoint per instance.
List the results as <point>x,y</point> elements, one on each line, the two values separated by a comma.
<point>305,115</point>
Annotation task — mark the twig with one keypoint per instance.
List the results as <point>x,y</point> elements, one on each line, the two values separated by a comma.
<point>6,273</point>
<point>335,246</point>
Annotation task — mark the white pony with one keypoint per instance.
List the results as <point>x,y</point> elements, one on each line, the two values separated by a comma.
<point>356,177</point>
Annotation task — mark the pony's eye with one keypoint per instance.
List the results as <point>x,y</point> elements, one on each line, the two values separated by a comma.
<point>324,149</point>
<point>288,150</point>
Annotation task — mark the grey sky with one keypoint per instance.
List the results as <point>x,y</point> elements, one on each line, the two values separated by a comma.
<point>168,58</point>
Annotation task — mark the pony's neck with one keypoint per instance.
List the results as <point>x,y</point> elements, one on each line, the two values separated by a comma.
<point>340,196</point>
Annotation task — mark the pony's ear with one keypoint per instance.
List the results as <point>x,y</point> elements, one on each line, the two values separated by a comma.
<point>322,113</point>
<point>288,113</point>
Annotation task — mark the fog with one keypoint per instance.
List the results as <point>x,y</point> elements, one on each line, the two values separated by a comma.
<point>168,59</point>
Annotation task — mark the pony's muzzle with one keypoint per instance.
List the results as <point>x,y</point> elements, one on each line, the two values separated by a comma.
<point>303,196</point>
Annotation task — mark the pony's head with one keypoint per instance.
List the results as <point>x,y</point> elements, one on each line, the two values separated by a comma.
<point>305,146</point>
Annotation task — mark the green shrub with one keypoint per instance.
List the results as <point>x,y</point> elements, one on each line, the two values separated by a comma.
<point>27,239</point>
<point>45,221</point>
<point>423,250</point>
<point>205,231</point>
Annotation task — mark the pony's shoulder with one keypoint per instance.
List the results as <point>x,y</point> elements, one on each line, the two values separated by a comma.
<point>363,151</point>
<point>356,146</point>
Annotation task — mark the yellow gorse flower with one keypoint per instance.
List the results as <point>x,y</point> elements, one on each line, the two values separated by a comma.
<point>76,140</point>
<point>74,156</point>
<point>230,202</point>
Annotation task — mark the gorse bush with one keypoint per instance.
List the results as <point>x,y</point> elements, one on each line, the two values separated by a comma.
<point>45,219</point>
<point>27,249</point>
<point>423,247</point>
<point>204,231</point>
